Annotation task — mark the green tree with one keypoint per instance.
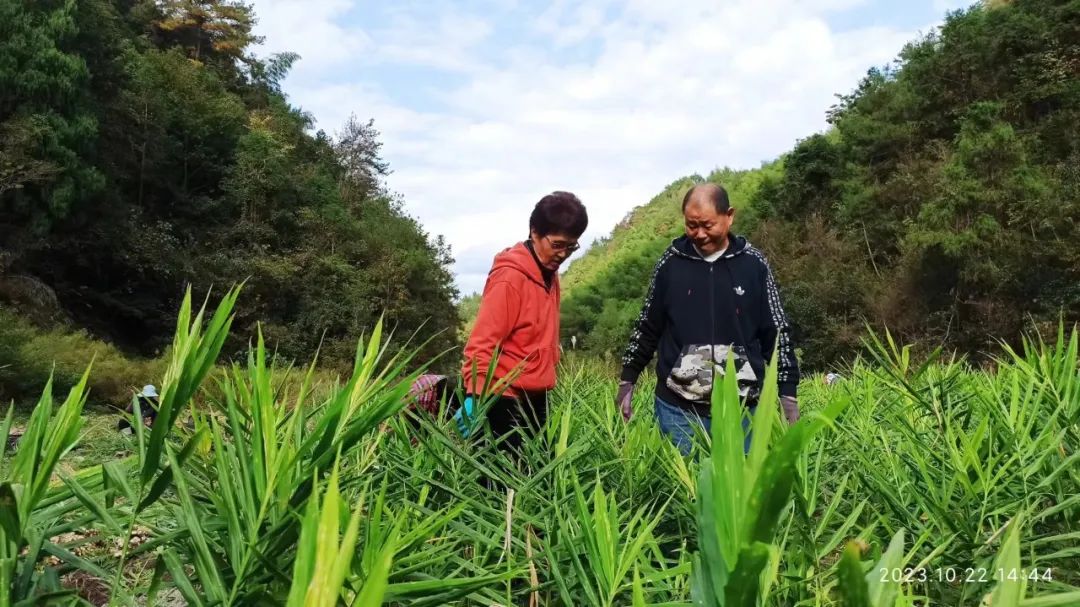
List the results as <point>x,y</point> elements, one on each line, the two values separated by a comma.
<point>208,30</point>
<point>45,110</point>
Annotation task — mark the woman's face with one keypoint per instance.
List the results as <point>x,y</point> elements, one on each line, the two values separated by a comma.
<point>553,249</point>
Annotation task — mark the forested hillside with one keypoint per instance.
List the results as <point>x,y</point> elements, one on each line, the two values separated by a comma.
<point>143,148</point>
<point>943,202</point>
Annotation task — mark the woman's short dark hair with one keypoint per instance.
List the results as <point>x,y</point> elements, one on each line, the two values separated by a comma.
<point>559,213</point>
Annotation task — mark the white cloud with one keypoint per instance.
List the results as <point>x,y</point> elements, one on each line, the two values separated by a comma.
<point>667,92</point>
<point>565,24</point>
<point>444,45</point>
<point>943,6</point>
<point>312,29</point>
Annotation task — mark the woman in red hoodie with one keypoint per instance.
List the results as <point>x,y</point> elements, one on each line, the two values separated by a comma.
<point>519,317</point>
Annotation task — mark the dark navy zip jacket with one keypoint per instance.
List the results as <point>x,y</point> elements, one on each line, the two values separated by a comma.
<point>696,312</point>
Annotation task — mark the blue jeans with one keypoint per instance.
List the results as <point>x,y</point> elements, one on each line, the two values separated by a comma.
<point>681,424</point>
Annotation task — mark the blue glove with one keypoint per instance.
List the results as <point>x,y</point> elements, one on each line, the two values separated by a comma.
<point>464,417</point>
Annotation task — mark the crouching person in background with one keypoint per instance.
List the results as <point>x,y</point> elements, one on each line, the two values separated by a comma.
<point>147,404</point>
<point>430,393</point>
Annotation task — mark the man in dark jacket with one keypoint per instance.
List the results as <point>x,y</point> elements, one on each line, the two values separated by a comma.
<point>712,296</point>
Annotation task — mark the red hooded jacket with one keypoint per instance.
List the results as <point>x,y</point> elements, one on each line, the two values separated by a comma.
<point>520,314</point>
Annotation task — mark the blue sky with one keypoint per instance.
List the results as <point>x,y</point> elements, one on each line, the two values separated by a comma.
<point>486,105</point>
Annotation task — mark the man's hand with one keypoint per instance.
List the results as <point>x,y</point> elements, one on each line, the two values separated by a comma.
<point>790,405</point>
<point>623,399</point>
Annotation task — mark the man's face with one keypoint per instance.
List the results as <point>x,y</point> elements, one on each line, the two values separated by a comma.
<point>554,249</point>
<point>705,227</point>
